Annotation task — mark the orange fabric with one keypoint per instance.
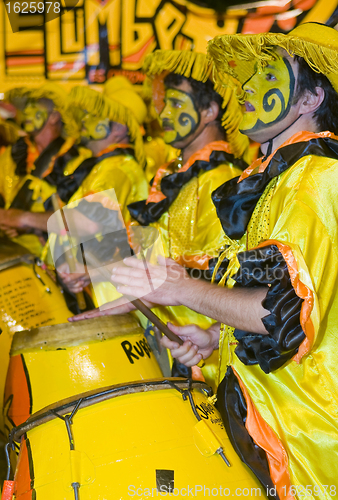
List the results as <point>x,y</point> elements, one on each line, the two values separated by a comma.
<point>194,261</point>
<point>303,292</point>
<point>17,389</point>
<point>196,374</point>
<point>63,150</point>
<point>203,154</point>
<point>265,437</point>
<point>7,490</point>
<point>299,137</point>
<point>32,155</point>
<point>23,480</point>
<point>156,195</point>
<point>112,147</point>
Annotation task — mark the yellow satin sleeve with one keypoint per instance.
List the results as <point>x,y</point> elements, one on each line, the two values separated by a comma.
<point>9,181</point>
<point>300,400</point>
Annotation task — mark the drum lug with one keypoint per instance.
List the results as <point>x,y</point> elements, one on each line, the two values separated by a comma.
<point>206,441</point>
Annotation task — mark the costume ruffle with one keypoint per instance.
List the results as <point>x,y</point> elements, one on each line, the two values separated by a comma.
<point>235,201</point>
<point>171,185</point>
<point>67,185</point>
<point>267,267</point>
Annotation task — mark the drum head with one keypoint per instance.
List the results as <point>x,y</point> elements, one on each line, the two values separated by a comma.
<point>72,334</point>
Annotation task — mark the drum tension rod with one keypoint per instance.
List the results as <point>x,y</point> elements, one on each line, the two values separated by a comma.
<point>186,394</point>
<point>68,420</point>
<point>8,446</point>
<point>48,290</point>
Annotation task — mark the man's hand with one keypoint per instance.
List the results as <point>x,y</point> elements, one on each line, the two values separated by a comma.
<point>13,217</point>
<point>75,282</point>
<point>160,284</point>
<point>198,343</point>
<point>10,232</point>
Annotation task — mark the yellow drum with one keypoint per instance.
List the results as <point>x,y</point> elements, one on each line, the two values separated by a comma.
<point>28,298</point>
<point>127,441</point>
<point>56,362</point>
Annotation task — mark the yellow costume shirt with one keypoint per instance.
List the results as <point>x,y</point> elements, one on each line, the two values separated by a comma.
<point>190,231</point>
<point>292,409</point>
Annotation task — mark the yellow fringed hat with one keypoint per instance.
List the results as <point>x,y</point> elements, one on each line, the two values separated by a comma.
<point>54,93</point>
<point>120,89</point>
<point>196,65</point>
<point>236,55</point>
<point>98,104</point>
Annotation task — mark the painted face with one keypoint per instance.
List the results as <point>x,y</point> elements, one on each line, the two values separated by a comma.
<point>269,96</point>
<point>95,128</point>
<point>35,116</point>
<point>180,118</point>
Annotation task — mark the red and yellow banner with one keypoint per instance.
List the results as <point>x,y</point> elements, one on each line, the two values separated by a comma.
<point>98,39</point>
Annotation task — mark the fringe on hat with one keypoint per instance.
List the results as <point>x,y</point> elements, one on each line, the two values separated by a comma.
<point>94,102</point>
<point>197,66</point>
<point>182,62</point>
<point>226,48</point>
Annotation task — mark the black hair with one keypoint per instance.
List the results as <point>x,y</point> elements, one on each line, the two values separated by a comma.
<point>203,93</point>
<point>326,115</point>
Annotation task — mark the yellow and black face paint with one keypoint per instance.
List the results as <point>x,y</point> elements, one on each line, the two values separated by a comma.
<point>35,116</point>
<point>269,96</point>
<point>180,116</point>
<point>95,128</point>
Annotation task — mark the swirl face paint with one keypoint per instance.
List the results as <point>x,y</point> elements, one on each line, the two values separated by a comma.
<point>269,96</point>
<point>35,116</point>
<point>95,128</point>
<point>180,117</point>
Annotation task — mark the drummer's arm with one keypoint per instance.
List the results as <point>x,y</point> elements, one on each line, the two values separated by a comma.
<point>20,219</point>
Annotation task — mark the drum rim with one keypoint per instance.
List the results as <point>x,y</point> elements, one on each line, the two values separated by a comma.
<point>90,398</point>
<point>21,255</point>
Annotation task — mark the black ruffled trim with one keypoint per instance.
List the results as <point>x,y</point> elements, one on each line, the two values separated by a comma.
<point>146,213</point>
<point>232,406</point>
<point>24,197</point>
<point>235,202</point>
<point>266,267</point>
<point>19,155</point>
<point>43,161</point>
<point>67,185</point>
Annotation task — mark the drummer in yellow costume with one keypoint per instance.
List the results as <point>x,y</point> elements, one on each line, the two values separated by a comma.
<point>26,166</point>
<point>179,205</point>
<point>157,152</point>
<point>278,397</point>
<point>112,134</point>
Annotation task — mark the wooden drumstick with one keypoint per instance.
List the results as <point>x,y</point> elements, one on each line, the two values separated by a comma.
<point>68,251</point>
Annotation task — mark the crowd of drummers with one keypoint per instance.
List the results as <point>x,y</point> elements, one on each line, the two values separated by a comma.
<point>168,276</point>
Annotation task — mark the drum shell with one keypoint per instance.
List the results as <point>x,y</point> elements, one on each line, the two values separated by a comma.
<point>26,302</point>
<point>132,441</point>
<point>53,363</point>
